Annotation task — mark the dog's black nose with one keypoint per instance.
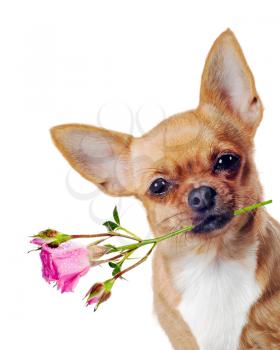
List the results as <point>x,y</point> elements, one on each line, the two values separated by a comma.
<point>202,198</point>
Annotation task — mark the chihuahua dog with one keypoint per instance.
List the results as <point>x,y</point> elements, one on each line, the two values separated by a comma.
<point>217,287</point>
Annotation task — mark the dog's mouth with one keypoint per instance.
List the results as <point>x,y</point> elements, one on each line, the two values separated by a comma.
<point>212,222</point>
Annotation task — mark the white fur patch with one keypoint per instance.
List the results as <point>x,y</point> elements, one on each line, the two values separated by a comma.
<point>217,294</point>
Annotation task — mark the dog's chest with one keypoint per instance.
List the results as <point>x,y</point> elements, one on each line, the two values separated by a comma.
<point>216,297</point>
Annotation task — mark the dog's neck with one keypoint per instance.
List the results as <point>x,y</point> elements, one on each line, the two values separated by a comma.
<point>218,281</point>
<point>258,235</point>
<point>218,285</point>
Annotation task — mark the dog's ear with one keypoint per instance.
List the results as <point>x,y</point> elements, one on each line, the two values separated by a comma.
<point>101,156</point>
<point>228,83</point>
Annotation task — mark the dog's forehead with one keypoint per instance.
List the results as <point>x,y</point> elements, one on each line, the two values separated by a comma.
<point>181,131</point>
<point>183,137</point>
<point>176,135</point>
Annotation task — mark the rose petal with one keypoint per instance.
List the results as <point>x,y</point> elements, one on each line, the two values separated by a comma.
<point>64,265</point>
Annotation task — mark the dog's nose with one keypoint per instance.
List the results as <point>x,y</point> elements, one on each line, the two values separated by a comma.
<point>202,198</point>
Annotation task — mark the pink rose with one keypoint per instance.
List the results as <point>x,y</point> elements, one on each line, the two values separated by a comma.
<point>64,265</point>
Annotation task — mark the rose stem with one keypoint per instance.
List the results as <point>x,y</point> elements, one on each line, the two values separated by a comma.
<point>115,257</point>
<point>107,234</point>
<point>129,232</point>
<point>251,207</point>
<point>187,228</point>
<point>136,264</point>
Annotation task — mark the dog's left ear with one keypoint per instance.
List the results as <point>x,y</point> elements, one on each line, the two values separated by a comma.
<point>101,156</point>
<point>228,83</point>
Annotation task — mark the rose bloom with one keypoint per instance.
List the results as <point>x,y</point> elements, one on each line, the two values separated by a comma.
<point>64,265</point>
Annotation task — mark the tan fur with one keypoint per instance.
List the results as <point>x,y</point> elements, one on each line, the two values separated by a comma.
<point>183,149</point>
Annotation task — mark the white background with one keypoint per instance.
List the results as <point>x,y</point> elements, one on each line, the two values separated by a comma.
<point>72,61</point>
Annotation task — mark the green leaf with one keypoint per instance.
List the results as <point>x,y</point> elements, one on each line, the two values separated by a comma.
<point>116,270</point>
<point>111,226</point>
<point>116,215</point>
<point>112,264</point>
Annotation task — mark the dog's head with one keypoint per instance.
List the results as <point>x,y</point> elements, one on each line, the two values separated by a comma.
<point>193,168</point>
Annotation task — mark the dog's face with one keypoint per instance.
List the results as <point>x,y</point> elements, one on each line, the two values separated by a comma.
<point>194,168</point>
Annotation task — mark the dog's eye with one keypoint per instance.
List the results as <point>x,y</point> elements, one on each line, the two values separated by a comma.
<point>159,186</point>
<point>227,162</point>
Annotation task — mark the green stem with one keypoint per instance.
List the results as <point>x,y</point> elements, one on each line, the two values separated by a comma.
<point>185,229</point>
<point>99,262</point>
<point>126,256</point>
<point>107,234</point>
<point>136,264</point>
<point>156,239</point>
<point>130,233</point>
<point>251,207</point>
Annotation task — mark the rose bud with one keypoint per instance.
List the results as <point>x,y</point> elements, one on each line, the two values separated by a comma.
<point>51,237</point>
<point>96,251</point>
<point>64,265</point>
<point>99,293</point>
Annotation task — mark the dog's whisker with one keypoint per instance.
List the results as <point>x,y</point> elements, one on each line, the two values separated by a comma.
<point>170,217</point>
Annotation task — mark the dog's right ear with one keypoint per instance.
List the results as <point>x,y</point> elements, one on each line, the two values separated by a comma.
<point>101,156</point>
<point>228,83</point>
